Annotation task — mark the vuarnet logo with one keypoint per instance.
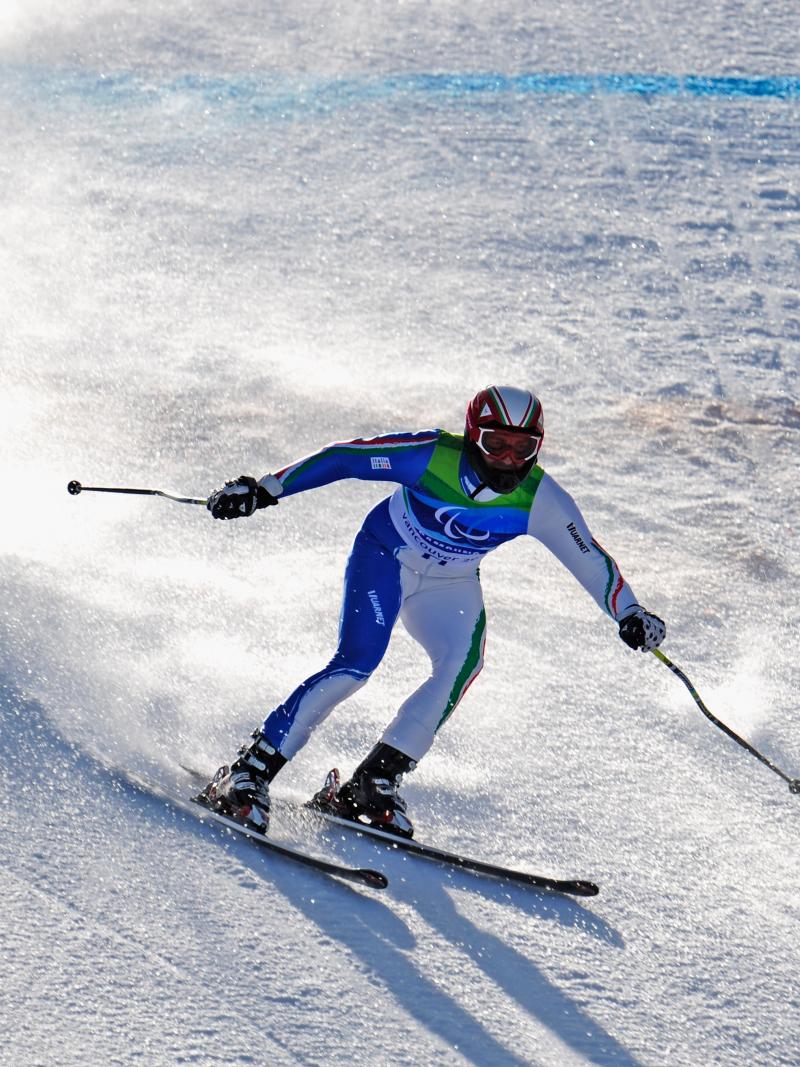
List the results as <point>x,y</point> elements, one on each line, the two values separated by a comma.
<point>376,607</point>
<point>576,537</point>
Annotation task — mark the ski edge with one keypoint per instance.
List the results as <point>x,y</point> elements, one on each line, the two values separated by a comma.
<point>364,875</point>
<point>572,886</point>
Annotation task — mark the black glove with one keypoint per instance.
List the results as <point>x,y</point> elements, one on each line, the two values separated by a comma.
<point>238,498</point>
<point>642,630</point>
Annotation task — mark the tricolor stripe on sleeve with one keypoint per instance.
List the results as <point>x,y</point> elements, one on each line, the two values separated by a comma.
<point>615,581</point>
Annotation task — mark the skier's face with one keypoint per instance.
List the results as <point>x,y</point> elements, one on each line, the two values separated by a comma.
<point>506,450</point>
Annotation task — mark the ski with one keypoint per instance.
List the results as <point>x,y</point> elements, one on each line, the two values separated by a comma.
<point>577,887</point>
<point>361,875</point>
<point>572,886</point>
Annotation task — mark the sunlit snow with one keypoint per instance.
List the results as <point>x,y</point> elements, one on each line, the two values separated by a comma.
<point>233,232</point>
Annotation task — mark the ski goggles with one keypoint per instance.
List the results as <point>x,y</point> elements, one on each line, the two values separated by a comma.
<point>501,444</point>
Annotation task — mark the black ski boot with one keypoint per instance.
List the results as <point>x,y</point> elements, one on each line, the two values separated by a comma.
<point>371,796</point>
<point>242,790</point>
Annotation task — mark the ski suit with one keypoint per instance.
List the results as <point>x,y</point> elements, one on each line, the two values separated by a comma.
<point>417,555</point>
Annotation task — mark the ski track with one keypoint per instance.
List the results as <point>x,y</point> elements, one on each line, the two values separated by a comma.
<point>230,236</point>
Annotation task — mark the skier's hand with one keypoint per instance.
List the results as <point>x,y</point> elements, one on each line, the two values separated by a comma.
<point>642,630</point>
<point>238,498</point>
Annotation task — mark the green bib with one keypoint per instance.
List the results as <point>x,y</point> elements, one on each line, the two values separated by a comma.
<point>441,479</point>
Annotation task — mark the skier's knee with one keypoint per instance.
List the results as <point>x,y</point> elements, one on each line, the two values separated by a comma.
<point>355,662</point>
<point>452,666</point>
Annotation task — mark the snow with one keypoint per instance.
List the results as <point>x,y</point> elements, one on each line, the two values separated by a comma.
<point>233,232</point>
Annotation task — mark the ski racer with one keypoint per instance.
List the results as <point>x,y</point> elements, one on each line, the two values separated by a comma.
<point>417,556</point>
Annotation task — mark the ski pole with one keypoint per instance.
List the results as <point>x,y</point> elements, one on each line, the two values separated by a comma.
<point>75,487</point>
<point>794,783</point>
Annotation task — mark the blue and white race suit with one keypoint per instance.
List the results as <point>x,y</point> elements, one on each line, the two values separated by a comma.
<point>417,556</point>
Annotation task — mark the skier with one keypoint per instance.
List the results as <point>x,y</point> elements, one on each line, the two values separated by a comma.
<point>417,555</point>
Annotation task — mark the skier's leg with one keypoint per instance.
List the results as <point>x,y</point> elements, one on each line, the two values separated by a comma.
<point>369,610</point>
<point>447,617</point>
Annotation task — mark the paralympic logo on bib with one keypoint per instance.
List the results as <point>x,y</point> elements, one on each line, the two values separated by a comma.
<point>454,530</point>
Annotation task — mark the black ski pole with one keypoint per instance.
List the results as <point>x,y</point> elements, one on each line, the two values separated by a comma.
<point>75,487</point>
<point>794,783</point>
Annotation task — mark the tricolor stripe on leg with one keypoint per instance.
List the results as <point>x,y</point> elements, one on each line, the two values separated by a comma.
<point>472,667</point>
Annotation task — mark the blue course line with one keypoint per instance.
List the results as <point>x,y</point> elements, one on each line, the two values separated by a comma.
<point>585,84</point>
<point>354,90</point>
<point>276,95</point>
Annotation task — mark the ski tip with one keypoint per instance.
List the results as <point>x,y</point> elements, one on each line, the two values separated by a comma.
<point>194,773</point>
<point>374,879</point>
<point>584,889</point>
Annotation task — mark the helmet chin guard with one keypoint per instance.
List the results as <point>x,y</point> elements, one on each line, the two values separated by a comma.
<point>510,411</point>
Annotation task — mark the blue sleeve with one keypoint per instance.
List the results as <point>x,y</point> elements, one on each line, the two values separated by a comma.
<point>396,457</point>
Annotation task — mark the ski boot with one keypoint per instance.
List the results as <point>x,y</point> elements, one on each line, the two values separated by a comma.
<point>370,796</point>
<point>241,791</point>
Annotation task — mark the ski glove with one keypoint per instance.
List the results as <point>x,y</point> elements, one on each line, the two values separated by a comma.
<point>238,498</point>
<point>642,630</point>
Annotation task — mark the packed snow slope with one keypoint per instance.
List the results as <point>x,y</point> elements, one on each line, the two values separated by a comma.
<point>232,232</point>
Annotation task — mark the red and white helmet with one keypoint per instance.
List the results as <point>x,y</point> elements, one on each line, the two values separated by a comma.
<point>503,407</point>
<point>504,433</point>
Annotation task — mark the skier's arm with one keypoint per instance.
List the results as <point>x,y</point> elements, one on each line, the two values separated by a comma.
<point>397,457</point>
<point>556,521</point>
